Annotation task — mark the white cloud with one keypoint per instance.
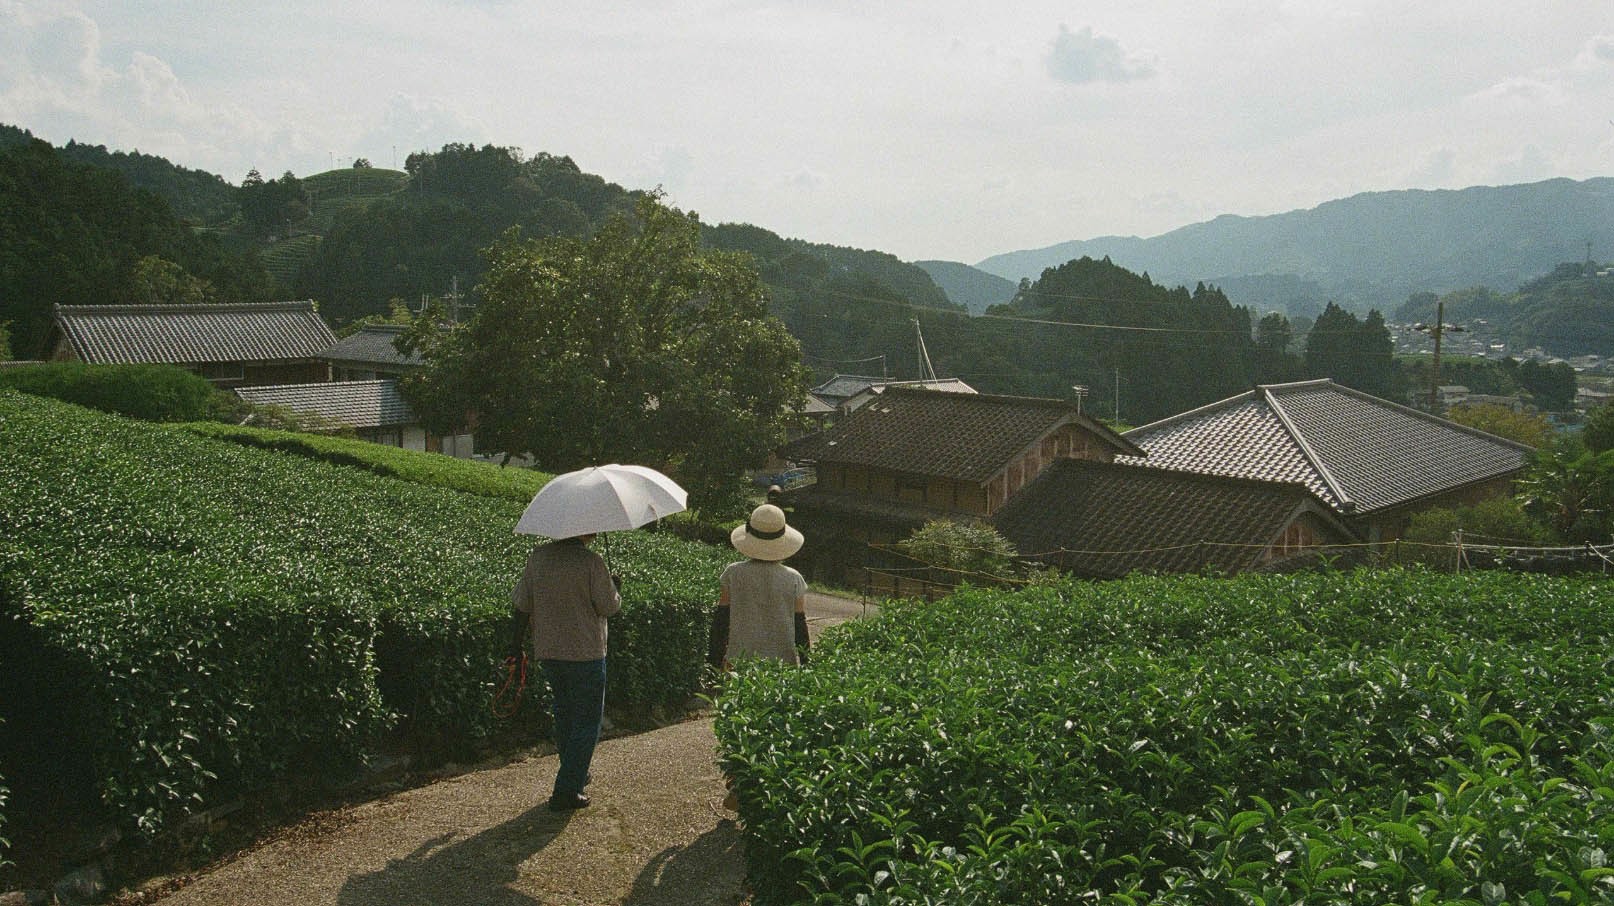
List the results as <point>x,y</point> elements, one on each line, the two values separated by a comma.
<point>1080,57</point>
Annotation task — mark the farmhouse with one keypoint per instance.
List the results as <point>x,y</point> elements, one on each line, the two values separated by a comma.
<point>911,455</point>
<point>1105,520</point>
<point>1372,462</point>
<point>369,353</point>
<point>846,392</point>
<point>241,345</point>
<point>373,410</point>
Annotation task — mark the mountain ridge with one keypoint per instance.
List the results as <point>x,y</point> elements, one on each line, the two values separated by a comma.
<point>1371,249</point>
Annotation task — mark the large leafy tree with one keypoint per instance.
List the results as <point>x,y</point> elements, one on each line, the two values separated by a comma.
<point>634,345</point>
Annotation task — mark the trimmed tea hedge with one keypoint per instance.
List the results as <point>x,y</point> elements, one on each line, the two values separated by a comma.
<point>471,476</point>
<point>1390,737</point>
<point>200,616</point>
<point>156,393</point>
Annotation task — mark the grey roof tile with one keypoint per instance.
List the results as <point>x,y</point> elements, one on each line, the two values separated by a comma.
<point>356,404</point>
<point>1355,451</point>
<point>195,334</point>
<point>1107,519</point>
<point>968,437</point>
<point>373,345</point>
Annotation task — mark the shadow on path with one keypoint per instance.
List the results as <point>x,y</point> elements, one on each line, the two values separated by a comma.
<point>475,871</point>
<point>694,875</point>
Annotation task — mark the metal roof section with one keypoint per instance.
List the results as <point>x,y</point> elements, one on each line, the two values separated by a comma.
<point>355,404</point>
<point>195,334</point>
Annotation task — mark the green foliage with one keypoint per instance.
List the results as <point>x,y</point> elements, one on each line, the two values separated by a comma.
<point>966,551</point>
<point>418,237</point>
<point>432,469</point>
<point>1598,432</point>
<point>270,208</point>
<point>632,346</point>
<point>1500,520</point>
<point>1206,354</point>
<point>1358,354</point>
<point>192,617</point>
<point>1524,427</point>
<point>1570,489</point>
<point>1338,738</point>
<point>72,234</point>
<point>158,281</point>
<point>157,393</point>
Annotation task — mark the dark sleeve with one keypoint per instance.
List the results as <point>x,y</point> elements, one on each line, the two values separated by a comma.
<point>804,642</point>
<point>717,644</point>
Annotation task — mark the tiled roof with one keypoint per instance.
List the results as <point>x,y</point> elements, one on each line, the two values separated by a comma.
<point>373,345</point>
<point>968,437</point>
<point>843,387</point>
<point>356,404</point>
<point>194,334</point>
<point>1107,520</point>
<point>1357,452</point>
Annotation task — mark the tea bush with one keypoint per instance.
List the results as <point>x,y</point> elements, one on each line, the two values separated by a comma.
<point>1361,737</point>
<point>433,469</point>
<point>157,393</point>
<point>208,617</point>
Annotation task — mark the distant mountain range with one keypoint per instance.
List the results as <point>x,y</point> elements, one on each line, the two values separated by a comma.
<point>1371,250</point>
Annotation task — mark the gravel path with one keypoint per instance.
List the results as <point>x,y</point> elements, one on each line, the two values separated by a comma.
<point>655,834</point>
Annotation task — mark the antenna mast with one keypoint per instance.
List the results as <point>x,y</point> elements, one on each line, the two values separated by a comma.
<point>926,372</point>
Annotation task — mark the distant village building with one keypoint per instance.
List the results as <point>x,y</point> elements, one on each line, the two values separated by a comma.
<point>371,352</point>
<point>1106,520</point>
<point>373,410</point>
<point>846,392</point>
<point>1371,461</point>
<point>911,455</point>
<point>241,345</point>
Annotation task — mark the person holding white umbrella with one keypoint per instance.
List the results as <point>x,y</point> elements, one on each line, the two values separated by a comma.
<point>567,593</point>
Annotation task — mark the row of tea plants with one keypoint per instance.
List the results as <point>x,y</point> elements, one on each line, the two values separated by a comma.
<point>1346,737</point>
<point>183,618</point>
<point>465,475</point>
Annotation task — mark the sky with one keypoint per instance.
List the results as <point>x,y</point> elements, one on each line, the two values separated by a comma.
<point>938,129</point>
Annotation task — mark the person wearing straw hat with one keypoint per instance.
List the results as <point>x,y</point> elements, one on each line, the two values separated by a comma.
<point>762,609</point>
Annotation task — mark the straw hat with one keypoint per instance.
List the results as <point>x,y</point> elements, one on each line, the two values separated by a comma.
<point>765,536</point>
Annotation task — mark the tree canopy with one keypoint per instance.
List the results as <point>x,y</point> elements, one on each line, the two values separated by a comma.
<point>634,345</point>
<point>74,234</point>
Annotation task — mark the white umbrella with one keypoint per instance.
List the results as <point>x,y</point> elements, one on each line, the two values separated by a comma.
<point>601,499</point>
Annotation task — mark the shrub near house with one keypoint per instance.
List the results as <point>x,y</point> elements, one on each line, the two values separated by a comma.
<point>182,619</point>
<point>1363,737</point>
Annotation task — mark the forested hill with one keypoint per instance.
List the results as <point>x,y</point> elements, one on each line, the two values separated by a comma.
<point>1369,250</point>
<point>196,196</point>
<point>355,239</point>
<point>970,287</point>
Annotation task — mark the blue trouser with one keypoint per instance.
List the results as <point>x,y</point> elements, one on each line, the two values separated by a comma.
<point>578,690</point>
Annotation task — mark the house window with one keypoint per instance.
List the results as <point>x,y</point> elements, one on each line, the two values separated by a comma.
<point>223,371</point>
<point>1296,537</point>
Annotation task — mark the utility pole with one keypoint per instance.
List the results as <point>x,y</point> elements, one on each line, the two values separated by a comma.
<point>454,300</point>
<point>926,372</point>
<point>1118,396</point>
<point>1436,330</point>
